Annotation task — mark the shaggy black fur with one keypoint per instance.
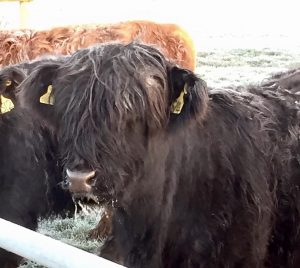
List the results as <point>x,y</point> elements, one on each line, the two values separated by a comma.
<point>214,186</point>
<point>29,174</point>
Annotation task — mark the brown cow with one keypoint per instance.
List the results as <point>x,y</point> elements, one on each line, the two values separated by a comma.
<point>172,40</point>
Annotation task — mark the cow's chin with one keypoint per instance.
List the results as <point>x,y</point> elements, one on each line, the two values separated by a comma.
<point>92,198</point>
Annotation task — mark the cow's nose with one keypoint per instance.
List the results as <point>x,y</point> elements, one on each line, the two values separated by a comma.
<point>79,181</point>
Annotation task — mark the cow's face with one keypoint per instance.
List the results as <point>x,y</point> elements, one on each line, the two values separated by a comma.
<point>12,76</point>
<point>108,108</point>
<point>33,91</point>
<point>112,103</point>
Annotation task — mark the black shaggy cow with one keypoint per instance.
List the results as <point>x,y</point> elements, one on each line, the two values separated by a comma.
<point>199,179</point>
<point>30,175</point>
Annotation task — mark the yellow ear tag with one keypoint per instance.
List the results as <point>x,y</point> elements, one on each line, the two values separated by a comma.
<point>8,83</point>
<point>47,98</point>
<point>6,105</point>
<point>177,105</point>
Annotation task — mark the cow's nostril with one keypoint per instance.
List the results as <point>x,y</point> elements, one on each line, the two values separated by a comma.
<point>91,181</point>
<point>65,184</point>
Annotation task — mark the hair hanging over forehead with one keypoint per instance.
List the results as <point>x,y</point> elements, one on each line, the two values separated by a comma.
<point>115,81</point>
<point>102,91</point>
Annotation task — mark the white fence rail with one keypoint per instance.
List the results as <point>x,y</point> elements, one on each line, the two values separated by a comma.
<point>45,250</point>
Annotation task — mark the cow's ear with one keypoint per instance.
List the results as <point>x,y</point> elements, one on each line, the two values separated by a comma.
<point>36,88</point>
<point>10,79</point>
<point>188,94</point>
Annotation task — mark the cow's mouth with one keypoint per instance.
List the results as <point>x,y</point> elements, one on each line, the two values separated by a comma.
<point>86,203</point>
<point>87,198</point>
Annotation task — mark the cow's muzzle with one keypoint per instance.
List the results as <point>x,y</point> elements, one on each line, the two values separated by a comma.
<point>79,181</point>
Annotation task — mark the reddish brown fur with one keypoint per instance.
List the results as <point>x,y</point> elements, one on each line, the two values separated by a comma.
<point>172,40</point>
<point>104,226</point>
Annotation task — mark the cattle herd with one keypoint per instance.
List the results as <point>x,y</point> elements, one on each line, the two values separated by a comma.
<point>190,176</point>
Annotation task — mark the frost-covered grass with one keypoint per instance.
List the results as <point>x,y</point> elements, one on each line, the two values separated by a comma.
<point>232,67</point>
<point>220,68</point>
<point>72,231</point>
